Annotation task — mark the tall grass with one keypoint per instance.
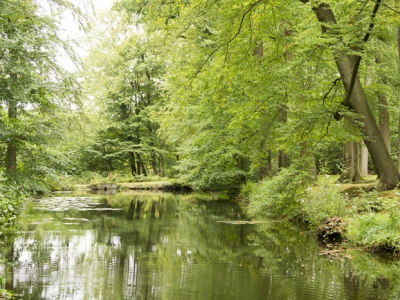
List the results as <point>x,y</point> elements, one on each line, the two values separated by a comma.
<point>376,230</point>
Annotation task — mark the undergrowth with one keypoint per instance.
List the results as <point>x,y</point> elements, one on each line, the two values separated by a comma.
<point>280,196</point>
<point>111,177</point>
<point>372,221</point>
<point>292,194</point>
<point>376,230</point>
<point>11,200</point>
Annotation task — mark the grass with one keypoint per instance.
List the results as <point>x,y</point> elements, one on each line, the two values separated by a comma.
<point>372,216</point>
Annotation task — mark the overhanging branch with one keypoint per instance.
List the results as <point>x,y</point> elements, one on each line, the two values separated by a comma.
<point>358,60</point>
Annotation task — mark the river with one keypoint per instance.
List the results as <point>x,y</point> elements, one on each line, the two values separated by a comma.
<point>168,246</point>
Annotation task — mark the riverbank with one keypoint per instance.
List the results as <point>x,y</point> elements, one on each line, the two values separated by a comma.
<point>371,218</point>
<point>145,185</point>
<point>360,214</point>
<point>368,217</point>
<point>112,243</point>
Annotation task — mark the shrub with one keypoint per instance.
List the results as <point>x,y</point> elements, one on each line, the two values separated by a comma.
<point>288,195</point>
<point>10,204</point>
<point>280,196</point>
<point>4,294</point>
<point>322,202</point>
<point>367,202</point>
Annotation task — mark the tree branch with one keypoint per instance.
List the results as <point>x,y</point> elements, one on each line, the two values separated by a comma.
<point>234,36</point>
<point>326,19</point>
<point>358,59</point>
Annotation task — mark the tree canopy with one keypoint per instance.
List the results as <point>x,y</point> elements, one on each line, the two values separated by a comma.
<point>246,81</point>
<point>214,93</point>
<point>34,88</point>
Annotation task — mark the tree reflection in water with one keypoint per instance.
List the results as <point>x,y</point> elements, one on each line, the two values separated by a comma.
<point>165,246</point>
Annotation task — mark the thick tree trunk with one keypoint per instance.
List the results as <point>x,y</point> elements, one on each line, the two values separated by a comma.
<point>350,171</point>
<point>141,168</point>
<point>357,102</point>
<point>154,163</point>
<point>363,148</point>
<point>138,166</point>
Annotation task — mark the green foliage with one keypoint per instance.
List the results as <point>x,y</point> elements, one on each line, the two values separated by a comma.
<point>329,158</point>
<point>320,202</point>
<point>291,194</point>
<point>366,203</point>
<point>257,78</point>
<point>124,80</point>
<point>34,90</point>
<point>376,230</point>
<point>4,294</point>
<point>280,196</point>
<point>11,200</point>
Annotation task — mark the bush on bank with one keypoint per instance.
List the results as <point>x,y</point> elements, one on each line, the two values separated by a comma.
<point>372,222</point>
<point>10,204</point>
<point>292,195</point>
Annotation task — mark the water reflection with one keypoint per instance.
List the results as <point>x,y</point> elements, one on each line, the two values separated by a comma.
<point>166,246</point>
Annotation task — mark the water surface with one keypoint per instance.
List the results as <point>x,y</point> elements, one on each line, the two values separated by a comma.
<point>166,246</point>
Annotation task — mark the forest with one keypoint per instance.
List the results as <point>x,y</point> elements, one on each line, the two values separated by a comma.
<point>269,102</point>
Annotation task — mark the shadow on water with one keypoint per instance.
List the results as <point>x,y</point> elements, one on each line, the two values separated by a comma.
<point>167,246</point>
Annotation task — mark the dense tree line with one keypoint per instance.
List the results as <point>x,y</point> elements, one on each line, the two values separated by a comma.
<point>34,89</point>
<point>215,93</point>
<point>251,86</point>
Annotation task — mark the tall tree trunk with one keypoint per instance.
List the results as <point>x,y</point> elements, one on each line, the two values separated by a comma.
<point>161,165</point>
<point>398,146</point>
<point>398,138</point>
<point>357,102</point>
<point>351,162</point>
<point>138,165</point>
<point>154,163</point>
<point>363,148</point>
<point>144,169</point>
<point>363,159</point>
<point>383,115</point>
<point>283,160</point>
<point>350,171</point>
<point>268,168</point>
<point>141,168</point>
<point>132,163</point>
<point>11,154</point>
<point>384,120</point>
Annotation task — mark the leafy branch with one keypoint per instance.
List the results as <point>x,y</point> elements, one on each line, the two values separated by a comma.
<point>231,39</point>
<point>358,59</point>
